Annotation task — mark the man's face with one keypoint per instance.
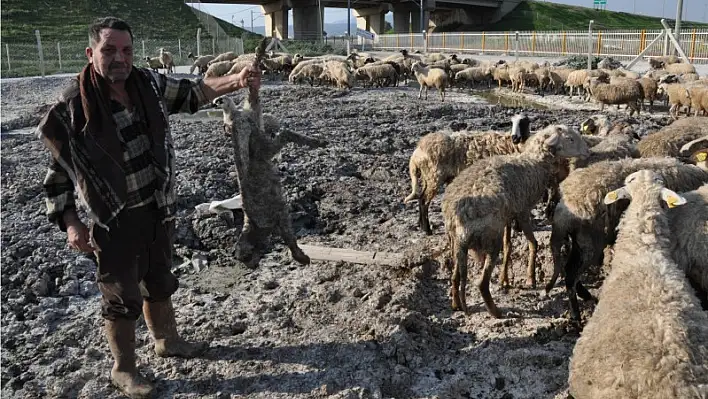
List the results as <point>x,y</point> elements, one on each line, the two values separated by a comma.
<point>112,56</point>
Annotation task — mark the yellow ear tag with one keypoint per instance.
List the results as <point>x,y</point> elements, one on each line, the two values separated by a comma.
<point>701,157</point>
<point>585,128</point>
<point>671,201</point>
<point>612,195</point>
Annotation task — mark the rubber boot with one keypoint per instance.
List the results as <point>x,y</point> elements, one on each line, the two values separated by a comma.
<point>124,375</point>
<point>160,319</point>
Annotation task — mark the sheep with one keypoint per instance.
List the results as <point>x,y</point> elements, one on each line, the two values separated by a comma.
<point>487,196</point>
<point>501,73</point>
<point>615,146</point>
<point>648,337</point>
<point>699,99</point>
<point>516,76</point>
<point>678,96</point>
<point>308,71</point>
<point>218,69</point>
<point>153,63</point>
<point>199,63</point>
<point>430,77</point>
<point>557,82</point>
<point>473,75</point>
<point>688,77</point>
<point>237,66</point>
<point>582,221</point>
<point>379,74</point>
<point>629,74</point>
<point>576,79</point>
<point>667,141</point>
<point>680,69</point>
<point>229,56</point>
<point>167,61</point>
<point>278,64</point>
<point>656,74</point>
<point>529,79</point>
<point>618,93</point>
<point>689,246</point>
<point>338,73</point>
<point>649,90</point>
<point>543,75</point>
<point>441,156</point>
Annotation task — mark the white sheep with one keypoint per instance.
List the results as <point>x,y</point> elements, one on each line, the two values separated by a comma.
<point>381,74</point>
<point>441,156</point>
<point>667,141</point>
<point>487,196</point>
<point>199,63</point>
<point>228,56</point>
<point>430,77</point>
<point>167,60</point>
<point>153,63</point>
<point>473,75</point>
<point>337,72</point>
<point>219,68</point>
<point>583,222</point>
<point>648,337</point>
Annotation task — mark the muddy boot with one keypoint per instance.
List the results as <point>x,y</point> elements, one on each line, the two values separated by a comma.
<point>160,319</point>
<point>124,375</point>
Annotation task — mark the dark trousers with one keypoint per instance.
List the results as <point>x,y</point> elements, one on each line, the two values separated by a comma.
<point>134,262</point>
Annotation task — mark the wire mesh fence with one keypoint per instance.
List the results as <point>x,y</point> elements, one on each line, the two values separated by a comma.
<point>623,45</point>
<point>33,57</point>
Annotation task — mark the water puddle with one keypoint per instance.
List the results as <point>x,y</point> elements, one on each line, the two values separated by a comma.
<point>495,98</point>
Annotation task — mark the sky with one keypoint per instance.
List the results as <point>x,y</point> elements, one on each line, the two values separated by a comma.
<point>693,10</point>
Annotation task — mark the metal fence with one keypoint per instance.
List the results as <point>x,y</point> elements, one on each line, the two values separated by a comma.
<point>623,45</point>
<point>37,57</point>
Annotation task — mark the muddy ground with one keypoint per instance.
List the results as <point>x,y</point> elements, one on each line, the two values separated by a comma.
<point>282,330</point>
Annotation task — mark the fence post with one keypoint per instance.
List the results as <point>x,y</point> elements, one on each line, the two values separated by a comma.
<point>425,42</point>
<point>563,45</point>
<point>599,43</point>
<point>7,51</point>
<point>199,33</point>
<point>213,45</point>
<point>642,40</point>
<point>516,46</point>
<point>179,46</point>
<point>462,41</point>
<point>693,43</point>
<point>484,42</point>
<point>39,49</point>
<point>590,44</point>
<point>506,43</point>
<point>666,45</point>
<point>533,43</point>
<point>143,42</point>
<point>59,54</point>
<point>443,40</point>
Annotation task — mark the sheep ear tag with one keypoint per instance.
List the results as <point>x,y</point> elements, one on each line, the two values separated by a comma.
<point>671,198</point>
<point>616,195</point>
<point>701,156</point>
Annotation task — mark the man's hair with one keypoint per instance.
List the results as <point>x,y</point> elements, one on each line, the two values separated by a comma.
<point>107,23</point>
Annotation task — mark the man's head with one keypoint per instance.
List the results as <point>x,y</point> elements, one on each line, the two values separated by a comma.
<point>111,49</point>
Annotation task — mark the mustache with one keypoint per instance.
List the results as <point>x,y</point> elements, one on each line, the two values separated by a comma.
<point>116,65</point>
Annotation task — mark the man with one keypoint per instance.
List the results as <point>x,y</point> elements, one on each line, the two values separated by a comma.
<point>109,137</point>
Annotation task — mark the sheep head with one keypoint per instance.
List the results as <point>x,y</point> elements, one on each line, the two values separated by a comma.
<point>594,124</point>
<point>520,128</point>
<point>641,182</point>
<point>564,142</point>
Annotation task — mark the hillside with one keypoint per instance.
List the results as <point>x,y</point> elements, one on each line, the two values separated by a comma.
<point>534,15</point>
<point>61,20</point>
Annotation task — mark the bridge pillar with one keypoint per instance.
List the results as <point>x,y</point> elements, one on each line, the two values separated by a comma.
<point>401,20</point>
<point>276,24</point>
<point>372,19</point>
<point>306,23</point>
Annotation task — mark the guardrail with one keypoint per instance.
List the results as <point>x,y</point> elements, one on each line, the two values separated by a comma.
<point>623,45</point>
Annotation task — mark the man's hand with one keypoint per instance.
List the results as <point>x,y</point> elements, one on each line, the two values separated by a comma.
<point>249,77</point>
<point>78,236</point>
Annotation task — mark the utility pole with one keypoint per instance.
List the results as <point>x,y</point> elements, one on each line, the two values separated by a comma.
<point>243,25</point>
<point>349,19</point>
<point>679,13</point>
<point>634,10</point>
<point>252,21</point>
<point>422,18</point>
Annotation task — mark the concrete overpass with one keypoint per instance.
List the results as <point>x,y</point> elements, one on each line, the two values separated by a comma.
<point>370,14</point>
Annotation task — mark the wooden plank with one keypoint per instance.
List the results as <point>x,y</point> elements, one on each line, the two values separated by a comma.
<point>349,255</point>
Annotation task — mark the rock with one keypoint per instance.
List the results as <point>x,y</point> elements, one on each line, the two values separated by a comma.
<point>41,286</point>
<point>70,287</point>
<point>88,289</point>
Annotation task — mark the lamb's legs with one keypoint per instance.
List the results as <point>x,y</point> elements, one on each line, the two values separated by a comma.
<point>556,244</point>
<point>413,172</point>
<point>489,263</point>
<point>426,197</point>
<point>420,93</point>
<point>525,223</point>
<point>504,277</point>
<point>287,234</point>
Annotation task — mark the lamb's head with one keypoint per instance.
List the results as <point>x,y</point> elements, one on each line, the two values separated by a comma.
<point>562,141</point>
<point>595,124</point>
<point>404,52</point>
<point>417,67</point>
<point>644,183</point>
<point>226,103</point>
<point>670,78</point>
<point>520,128</point>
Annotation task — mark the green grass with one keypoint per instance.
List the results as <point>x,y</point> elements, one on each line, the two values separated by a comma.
<point>543,16</point>
<point>62,20</point>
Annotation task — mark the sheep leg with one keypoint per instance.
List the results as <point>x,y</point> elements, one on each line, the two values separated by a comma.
<point>504,276</point>
<point>420,93</point>
<point>413,172</point>
<point>428,193</point>
<point>442,94</point>
<point>557,241</point>
<point>525,222</point>
<point>426,92</point>
<point>459,253</point>
<point>489,263</point>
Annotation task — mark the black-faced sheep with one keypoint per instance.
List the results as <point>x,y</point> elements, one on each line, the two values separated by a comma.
<point>487,196</point>
<point>648,337</point>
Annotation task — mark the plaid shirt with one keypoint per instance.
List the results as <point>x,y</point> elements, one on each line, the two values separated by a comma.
<point>178,95</point>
